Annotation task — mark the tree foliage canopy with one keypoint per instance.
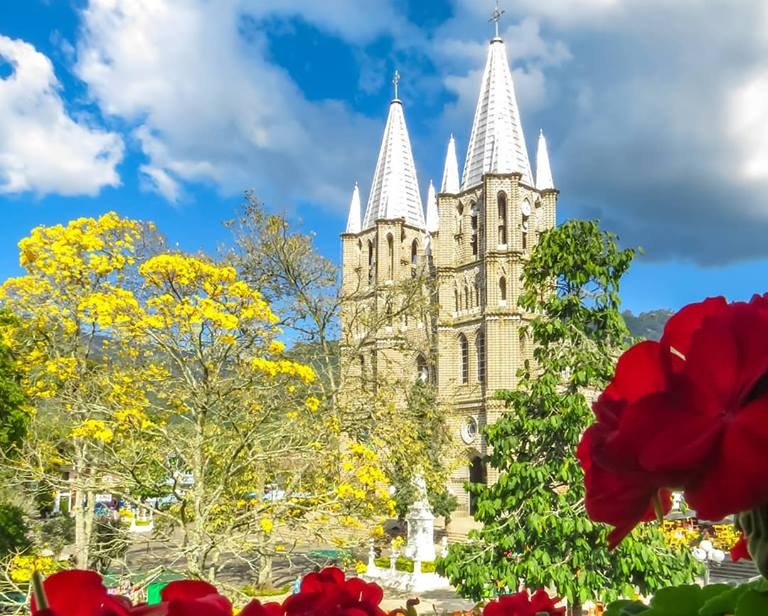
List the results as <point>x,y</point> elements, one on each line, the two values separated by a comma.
<point>535,528</point>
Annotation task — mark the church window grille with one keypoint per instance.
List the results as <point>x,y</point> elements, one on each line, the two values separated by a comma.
<point>502,210</point>
<point>473,223</point>
<point>371,262</point>
<point>464,358</point>
<point>390,257</point>
<point>480,347</point>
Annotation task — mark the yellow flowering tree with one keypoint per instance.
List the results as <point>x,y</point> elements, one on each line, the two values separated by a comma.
<point>243,454</point>
<point>72,272</point>
<point>397,417</point>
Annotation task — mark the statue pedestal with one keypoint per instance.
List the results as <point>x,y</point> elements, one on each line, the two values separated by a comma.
<point>420,545</point>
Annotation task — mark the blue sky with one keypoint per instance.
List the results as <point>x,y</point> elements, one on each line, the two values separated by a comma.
<point>169,109</point>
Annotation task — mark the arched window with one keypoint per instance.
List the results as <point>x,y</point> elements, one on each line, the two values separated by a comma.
<point>503,291</point>
<point>524,344</point>
<point>477,294</point>
<point>459,216</point>
<point>526,212</point>
<point>480,346</point>
<point>473,223</point>
<point>464,359</point>
<point>422,369</point>
<point>466,297</point>
<point>414,251</point>
<point>502,206</point>
<point>371,262</point>
<point>390,257</point>
<point>457,300</point>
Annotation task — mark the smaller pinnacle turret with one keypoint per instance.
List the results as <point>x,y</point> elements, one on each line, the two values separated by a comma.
<point>450,183</point>
<point>543,170</point>
<point>353,220</point>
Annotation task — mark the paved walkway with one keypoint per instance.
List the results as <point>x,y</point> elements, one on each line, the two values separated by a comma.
<point>433,602</point>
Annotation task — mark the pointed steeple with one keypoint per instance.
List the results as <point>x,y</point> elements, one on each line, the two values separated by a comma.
<point>353,220</point>
<point>433,218</point>
<point>497,142</point>
<point>395,190</point>
<point>450,183</point>
<point>543,170</point>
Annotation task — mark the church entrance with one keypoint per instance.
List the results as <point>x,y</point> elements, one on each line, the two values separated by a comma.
<point>477,474</point>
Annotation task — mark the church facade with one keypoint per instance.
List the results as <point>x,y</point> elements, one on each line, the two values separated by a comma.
<point>430,288</point>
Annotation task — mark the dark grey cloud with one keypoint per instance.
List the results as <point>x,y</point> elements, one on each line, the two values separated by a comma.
<point>655,114</point>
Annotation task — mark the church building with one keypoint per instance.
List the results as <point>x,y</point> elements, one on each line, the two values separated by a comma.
<point>466,245</point>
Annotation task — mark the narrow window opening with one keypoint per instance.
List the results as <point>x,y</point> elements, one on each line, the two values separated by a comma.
<point>464,357</point>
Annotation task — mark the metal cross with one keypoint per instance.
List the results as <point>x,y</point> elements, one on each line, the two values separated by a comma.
<point>395,81</point>
<point>496,16</point>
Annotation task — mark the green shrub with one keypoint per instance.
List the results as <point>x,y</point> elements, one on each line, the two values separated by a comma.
<point>13,529</point>
<point>253,591</point>
<point>57,532</point>
<point>405,564</point>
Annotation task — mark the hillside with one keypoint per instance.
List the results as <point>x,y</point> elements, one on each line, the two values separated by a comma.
<point>648,325</point>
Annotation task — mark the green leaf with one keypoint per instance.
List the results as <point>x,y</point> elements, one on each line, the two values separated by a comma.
<point>624,607</point>
<point>752,603</point>
<point>677,601</point>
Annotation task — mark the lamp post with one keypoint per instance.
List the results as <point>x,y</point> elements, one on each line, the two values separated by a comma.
<point>707,554</point>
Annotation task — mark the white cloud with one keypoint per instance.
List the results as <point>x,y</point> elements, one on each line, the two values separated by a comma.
<point>42,148</point>
<point>208,106</point>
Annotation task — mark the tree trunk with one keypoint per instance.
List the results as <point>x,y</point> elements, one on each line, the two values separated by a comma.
<point>264,571</point>
<point>196,556</point>
<point>80,511</point>
<point>90,506</point>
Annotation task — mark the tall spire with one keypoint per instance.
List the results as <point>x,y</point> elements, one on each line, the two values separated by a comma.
<point>543,170</point>
<point>395,190</point>
<point>497,142</point>
<point>353,221</point>
<point>450,182</point>
<point>433,218</point>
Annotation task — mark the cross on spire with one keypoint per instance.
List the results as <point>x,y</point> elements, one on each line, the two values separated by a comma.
<point>395,81</point>
<point>496,17</point>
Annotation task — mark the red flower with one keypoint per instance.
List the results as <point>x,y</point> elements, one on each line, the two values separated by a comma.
<point>711,429</point>
<point>688,412</point>
<point>77,592</point>
<point>619,491</point>
<point>328,593</point>
<point>256,608</point>
<point>739,551</point>
<point>519,604</point>
<point>194,598</point>
<point>73,593</point>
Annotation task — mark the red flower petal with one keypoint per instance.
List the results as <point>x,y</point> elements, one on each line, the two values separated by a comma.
<point>256,608</point>
<point>210,605</point>
<point>739,551</point>
<point>187,589</point>
<point>73,592</point>
<point>680,328</point>
<point>639,372</point>
<point>735,478</point>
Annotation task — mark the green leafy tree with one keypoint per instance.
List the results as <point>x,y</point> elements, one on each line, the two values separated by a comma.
<point>14,415</point>
<point>14,533</point>
<point>535,527</point>
<point>429,441</point>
